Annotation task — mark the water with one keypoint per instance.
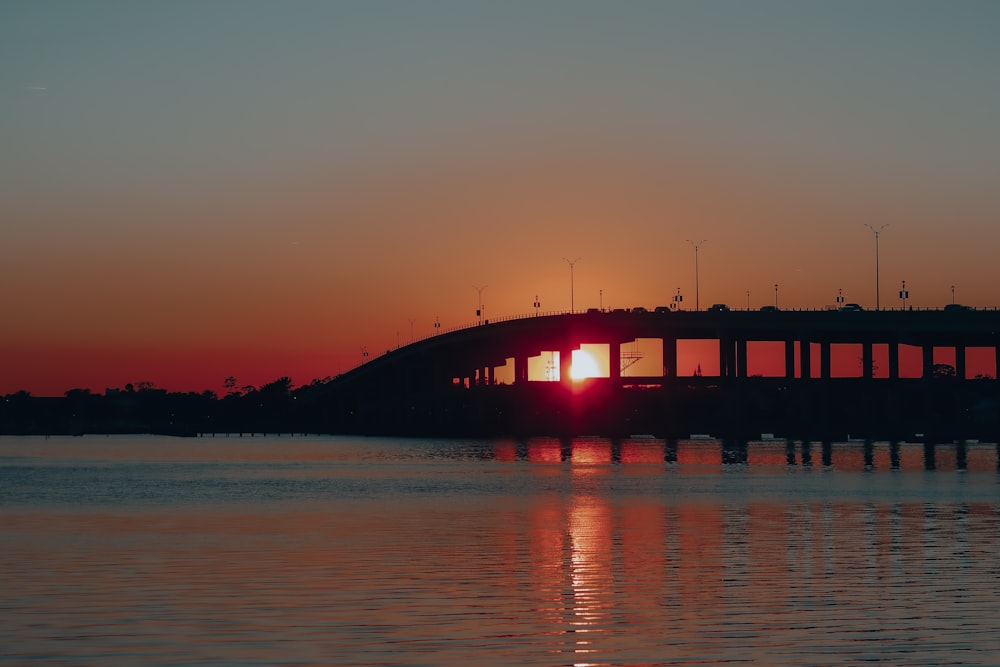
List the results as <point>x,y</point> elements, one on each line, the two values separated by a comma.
<point>352,551</point>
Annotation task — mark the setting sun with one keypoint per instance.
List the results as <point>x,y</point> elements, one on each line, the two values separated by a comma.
<point>584,366</point>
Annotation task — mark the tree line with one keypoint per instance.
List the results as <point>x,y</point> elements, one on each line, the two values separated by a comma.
<point>275,407</point>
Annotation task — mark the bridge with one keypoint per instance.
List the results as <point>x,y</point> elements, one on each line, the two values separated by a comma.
<point>450,382</point>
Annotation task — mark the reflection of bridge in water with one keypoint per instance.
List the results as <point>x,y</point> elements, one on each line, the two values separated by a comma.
<point>448,384</point>
<point>856,455</point>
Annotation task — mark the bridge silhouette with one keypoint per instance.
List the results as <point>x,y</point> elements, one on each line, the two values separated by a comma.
<point>447,384</point>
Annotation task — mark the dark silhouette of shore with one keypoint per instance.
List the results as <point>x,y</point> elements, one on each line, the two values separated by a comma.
<point>833,408</point>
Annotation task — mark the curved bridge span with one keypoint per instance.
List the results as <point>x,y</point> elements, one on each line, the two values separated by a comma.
<point>451,383</point>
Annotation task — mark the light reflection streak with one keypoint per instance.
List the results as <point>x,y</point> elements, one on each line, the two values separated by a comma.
<point>590,560</point>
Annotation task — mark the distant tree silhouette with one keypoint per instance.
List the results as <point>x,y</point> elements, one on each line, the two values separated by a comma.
<point>942,371</point>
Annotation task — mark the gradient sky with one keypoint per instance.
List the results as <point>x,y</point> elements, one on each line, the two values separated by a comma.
<point>196,189</point>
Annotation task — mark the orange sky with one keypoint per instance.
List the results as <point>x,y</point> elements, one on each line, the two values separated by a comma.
<point>191,193</point>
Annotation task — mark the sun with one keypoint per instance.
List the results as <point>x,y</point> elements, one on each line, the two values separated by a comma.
<point>584,366</point>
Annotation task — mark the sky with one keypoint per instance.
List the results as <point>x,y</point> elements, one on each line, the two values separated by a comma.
<point>191,190</point>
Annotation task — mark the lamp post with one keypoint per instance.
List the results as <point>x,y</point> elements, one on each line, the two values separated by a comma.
<point>412,320</point>
<point>953,294</point>
<point>877,233</point>
<point>775,295</point>
<point>904,294</point>
<point>479,303</point>
<point>840,298</point>
<point>572,305</point>
<point>538,305</point>
<point>697,305</point>
<point>748,299</point>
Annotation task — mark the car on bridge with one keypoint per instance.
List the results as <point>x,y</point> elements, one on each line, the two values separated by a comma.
<point>718,308</point>
<point>850,308</point>
<point>956,307</point>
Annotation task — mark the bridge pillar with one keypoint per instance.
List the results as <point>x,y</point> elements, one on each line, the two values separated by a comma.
<point>824,359</point>
<point>805,358</point>
<point>727,364</point>
<point>894,360</point>
<point>491,378</point>
<point>789,359</point>
<point>960,362</point>
<point>928,359</point>
<point>520,369</point>
<point>565,362</point>
<point>741,357</point>
<point>670,356</point>
<point>867,372</point>
<point>614,360</point>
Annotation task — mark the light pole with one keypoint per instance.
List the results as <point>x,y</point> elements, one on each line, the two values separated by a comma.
<point>412,320</point>
<point>953,294</point>
<point>775,295</point>
<point>840,298</point>
<point>572,306</point>
<point>479,303</point>
<point>697,305</point>
<point>538,305</point>
<point>748,299</point>
<point>904,294</point>
<point>877,233</point>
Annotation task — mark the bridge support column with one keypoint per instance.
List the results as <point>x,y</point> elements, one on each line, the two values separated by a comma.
<point>960,362</point>
<point>824,359</point>
<point>520,369</point>
<point>928,358</point>
<point>805,358</point>
<point>741,357</point>
<point>565,362</point>
<point>614,360</point>
<point>789,359</point>
<point>491,378</point>
<point>894,360</point>
<point>867,372</point>
<point>670,356</point>
<point>727,357</point>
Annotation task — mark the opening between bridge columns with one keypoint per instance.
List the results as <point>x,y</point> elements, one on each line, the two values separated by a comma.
<point>650,360</point>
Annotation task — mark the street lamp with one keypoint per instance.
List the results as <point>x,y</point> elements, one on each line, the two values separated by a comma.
<point>877,233</point>
<point>953,294</point>
<point>572,306</point>
<point>840,298</point>
<point>748,299</point>
<point>537,305</point>
<point>697,245</point>
<point>904,294</point>
<point>479,305</point>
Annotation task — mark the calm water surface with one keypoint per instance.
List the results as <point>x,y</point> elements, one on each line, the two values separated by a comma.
<point>352,551</point>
